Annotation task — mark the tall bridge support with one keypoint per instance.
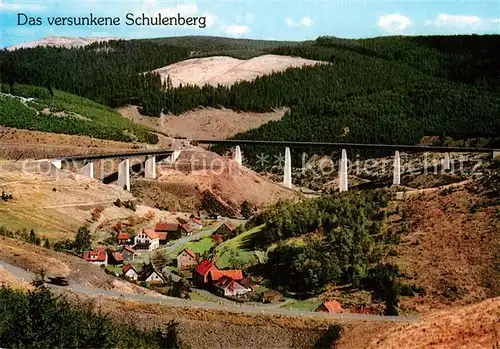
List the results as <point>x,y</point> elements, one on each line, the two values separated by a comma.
<point>397,169</point>
<point>124,174</point>
<point>150,168</point>
<point>343,172</point>
<point>287,178</point>
<point>446,162</point>
<point>88,170</point>
<point>237,155</point>
<point>57,163</point>
<point>496,153</point>
<point>174,156</point>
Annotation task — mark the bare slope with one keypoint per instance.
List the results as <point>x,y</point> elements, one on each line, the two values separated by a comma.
<point>227,70</point>
<point>474,326</point>
<point>200,177</point>
<point>203,123</point>
<point>61,41</point>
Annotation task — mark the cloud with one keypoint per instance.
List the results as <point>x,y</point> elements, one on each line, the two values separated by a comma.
<point>495,20</point>
<point>394,23</point>
<point>189,9</point>
<point>10,6</point>
<point>304,22</point>
<point>445,20</point>
<point>236,30</point>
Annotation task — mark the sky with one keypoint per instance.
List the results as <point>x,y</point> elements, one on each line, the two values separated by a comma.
<point>255,19</point>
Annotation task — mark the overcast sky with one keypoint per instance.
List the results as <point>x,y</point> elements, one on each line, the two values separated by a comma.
<point>270,19</point>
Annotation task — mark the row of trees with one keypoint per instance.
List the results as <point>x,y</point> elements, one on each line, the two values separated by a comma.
<point>40,319</point>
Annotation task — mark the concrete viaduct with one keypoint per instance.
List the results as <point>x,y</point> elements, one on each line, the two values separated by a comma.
<point>151,155</point>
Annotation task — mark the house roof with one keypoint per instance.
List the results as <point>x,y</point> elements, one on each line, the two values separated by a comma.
<point>129,249</point>
<point>181,220</point>
<point>118,256</point>
<point>162,235</point>
<point>95,256</point>
<point>167,226</point>
<point>151,233</point>
<point>189,252</point>
<point>123,236</point>
<point>196,220</point>
<point>148,270</point>
<point>204,267</point>
<point>186,227</point>
<point>333,306</point>
<point>128,267</point>
<point>233,274</point>
<point>227,283</point>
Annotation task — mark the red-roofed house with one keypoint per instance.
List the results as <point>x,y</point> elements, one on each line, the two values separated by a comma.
<point>129,272</point>
<point>216,274</point>
<point>186,259</point>
<point>147,240</point>
<point>123,238</point>
<point>195,224</point>
<point>186,229</point>
<point>227,286</point>
<point>96,257</point>
<point>172,229</point>
<point>330,307</point>
<point>202,270</point>
<point>116,258</point>
<point>226,230</point>
<point>128,253</point>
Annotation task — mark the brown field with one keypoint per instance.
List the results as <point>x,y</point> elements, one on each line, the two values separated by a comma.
<point>203,123</point>
<point>473,326</point>
<point>450,248</point>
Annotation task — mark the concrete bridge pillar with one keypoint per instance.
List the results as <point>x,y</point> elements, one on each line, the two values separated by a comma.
<point>237,155</point>
<point>397,169</point>
<point>446,162</point>
<point>496,153</point>
<point>124,174</point>
<point>174,156</point>
<point>57,163</point>
<point>150,168</point>
<point>287,178</point>
<point>343,185</point>
<point>88,170</point>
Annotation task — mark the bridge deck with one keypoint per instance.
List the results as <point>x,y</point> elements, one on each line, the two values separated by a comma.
<point>117,155</point>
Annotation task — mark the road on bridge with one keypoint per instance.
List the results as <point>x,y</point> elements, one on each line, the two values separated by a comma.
<point>184,303</point>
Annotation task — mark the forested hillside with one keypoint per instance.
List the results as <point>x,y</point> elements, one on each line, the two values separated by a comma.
<point>35,108</point>
<point>381,90</point>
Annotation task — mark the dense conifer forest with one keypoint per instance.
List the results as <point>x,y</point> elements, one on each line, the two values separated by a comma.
<point>381,90</point>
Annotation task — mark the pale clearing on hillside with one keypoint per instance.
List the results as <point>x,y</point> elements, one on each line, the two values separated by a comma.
<point>227,70</point>
<point>61,41</point>
<point>203,123</point>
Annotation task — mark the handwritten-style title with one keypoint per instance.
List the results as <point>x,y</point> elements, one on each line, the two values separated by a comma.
<point>98,21</point>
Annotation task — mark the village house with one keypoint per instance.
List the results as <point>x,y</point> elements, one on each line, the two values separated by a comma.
<point>128,253</point>
<point>116,258</point>
<point>330,307</point>
<point>147,240</point>
<point>123,238</point>
<point>149,274</point>
<point>96,257</point>
<point>202,271</point>
<point>227,286</point>
<point>195,223</point>
<point>216,274</point>
<point>186,259</point>
<point>171,229</point>
<point>185,230</point>
<point>226,230</point>
<point>129,272</point>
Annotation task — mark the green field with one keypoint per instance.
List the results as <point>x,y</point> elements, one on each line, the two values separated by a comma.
<point>237,252</point>
<point>67,113</point>
<point>307,304</point>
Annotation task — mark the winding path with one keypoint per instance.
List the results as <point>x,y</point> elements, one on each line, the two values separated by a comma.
<point>184,303</point>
